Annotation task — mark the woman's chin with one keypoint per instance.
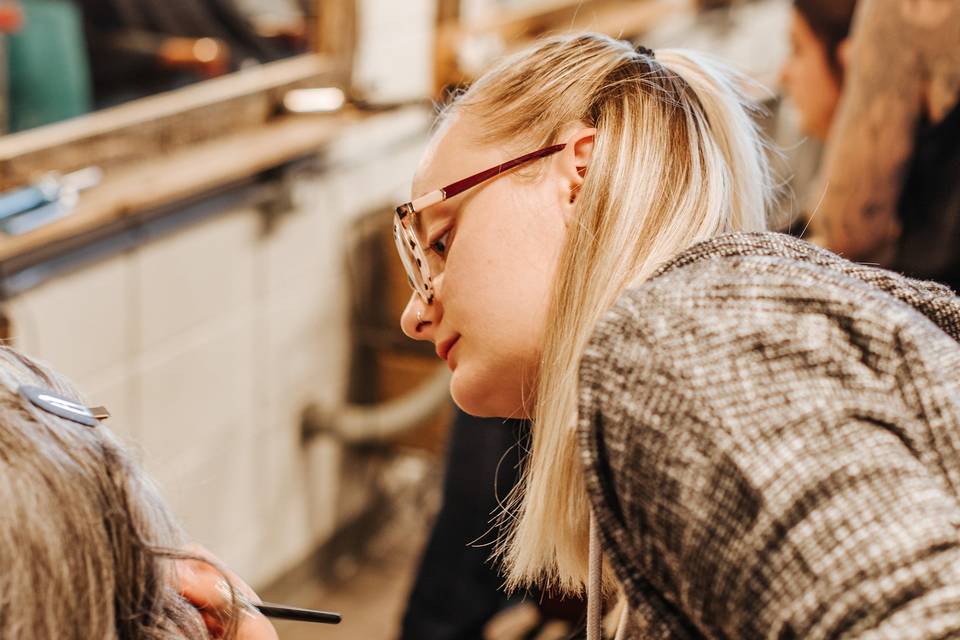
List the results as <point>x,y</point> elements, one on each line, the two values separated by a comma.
<point>480,400</point>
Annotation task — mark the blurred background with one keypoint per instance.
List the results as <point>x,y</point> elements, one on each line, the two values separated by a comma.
<point>195,207</point>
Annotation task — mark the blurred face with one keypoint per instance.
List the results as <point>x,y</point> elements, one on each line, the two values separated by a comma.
<point>809,80</point>
<point>501,241</point>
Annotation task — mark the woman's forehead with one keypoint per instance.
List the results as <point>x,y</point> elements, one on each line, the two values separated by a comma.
<point>451,154</point>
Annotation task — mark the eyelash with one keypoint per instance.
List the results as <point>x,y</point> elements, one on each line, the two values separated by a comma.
<point>444,240</point>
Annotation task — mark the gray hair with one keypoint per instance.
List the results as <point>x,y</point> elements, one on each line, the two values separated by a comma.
<point>86,543</point>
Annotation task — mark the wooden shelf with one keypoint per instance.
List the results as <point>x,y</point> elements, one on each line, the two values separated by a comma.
<point>519,27</point>
<point>129,190</point>
<point>161,124</point>
<point>613,17</point>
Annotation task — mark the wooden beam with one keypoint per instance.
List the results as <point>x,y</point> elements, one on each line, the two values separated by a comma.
<point>517,28</point>
<point>560,16</point>
<point>334,32</point>
<point>161,124</point>
<point>129,190</point>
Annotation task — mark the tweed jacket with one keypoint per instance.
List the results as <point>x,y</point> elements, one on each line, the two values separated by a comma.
<point>771,440</point>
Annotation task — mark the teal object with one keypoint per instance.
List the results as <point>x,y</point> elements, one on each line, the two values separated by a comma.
<point>49,71</point>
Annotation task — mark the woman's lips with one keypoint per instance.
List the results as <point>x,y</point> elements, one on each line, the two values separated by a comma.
<point>451,356</point>
<point>443,349</point>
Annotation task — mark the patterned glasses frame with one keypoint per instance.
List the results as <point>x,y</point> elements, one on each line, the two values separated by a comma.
<point>412,248</point>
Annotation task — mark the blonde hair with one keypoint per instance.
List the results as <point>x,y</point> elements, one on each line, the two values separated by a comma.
<point>85,541</point>
<point>677,159</point>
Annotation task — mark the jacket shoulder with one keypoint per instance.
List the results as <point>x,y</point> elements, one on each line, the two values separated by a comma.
<point>728,400</point>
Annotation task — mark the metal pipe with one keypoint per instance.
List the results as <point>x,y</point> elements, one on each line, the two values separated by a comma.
<point>368,424</point>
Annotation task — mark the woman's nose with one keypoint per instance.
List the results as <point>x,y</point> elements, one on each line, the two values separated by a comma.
<point>418,319</point>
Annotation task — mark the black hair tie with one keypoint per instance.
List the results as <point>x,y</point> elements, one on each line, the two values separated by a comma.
<point>644,51</point>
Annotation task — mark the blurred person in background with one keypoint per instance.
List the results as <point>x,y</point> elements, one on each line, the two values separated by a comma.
<point>88,549</point>
<point>882,90</point>
<point>813,73</point>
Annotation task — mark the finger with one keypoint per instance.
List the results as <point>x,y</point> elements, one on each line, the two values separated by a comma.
<point>213,563</point>
<point>219,593</point>
<point>198,581</point>
<point>216,626</point>
<point>256,627</point>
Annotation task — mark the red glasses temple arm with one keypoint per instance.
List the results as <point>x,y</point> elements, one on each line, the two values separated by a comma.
<point>460,186</point>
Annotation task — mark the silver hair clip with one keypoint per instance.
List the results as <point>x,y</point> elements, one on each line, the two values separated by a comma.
<point>63,407</point>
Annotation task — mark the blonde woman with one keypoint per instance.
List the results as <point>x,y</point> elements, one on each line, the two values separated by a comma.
<point>87,548</point>
<point>765,435</point>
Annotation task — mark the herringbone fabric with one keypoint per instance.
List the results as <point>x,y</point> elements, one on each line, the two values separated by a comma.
<point>771,437</point>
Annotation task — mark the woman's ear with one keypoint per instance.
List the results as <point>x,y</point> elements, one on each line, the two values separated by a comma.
<point>574,160</point>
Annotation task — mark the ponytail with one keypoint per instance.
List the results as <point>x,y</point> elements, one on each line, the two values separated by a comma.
<point>733,133</point>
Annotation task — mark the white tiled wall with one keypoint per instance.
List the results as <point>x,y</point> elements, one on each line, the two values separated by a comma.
<point>93,303</point>
<point>198,388</point>
<point>206,344</point>
<point>185,280</point>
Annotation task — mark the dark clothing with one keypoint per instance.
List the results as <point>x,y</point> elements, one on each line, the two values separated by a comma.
<point>771,438</point>
<point>929,209</point>
<point>457,589</point>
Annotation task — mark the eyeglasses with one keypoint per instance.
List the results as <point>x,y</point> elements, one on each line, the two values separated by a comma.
<point>422,263</point>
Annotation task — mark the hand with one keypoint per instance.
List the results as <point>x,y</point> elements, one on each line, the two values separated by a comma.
<point>206,588</point>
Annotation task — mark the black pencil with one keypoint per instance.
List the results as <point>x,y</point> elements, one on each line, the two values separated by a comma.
<point>282,612</point>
